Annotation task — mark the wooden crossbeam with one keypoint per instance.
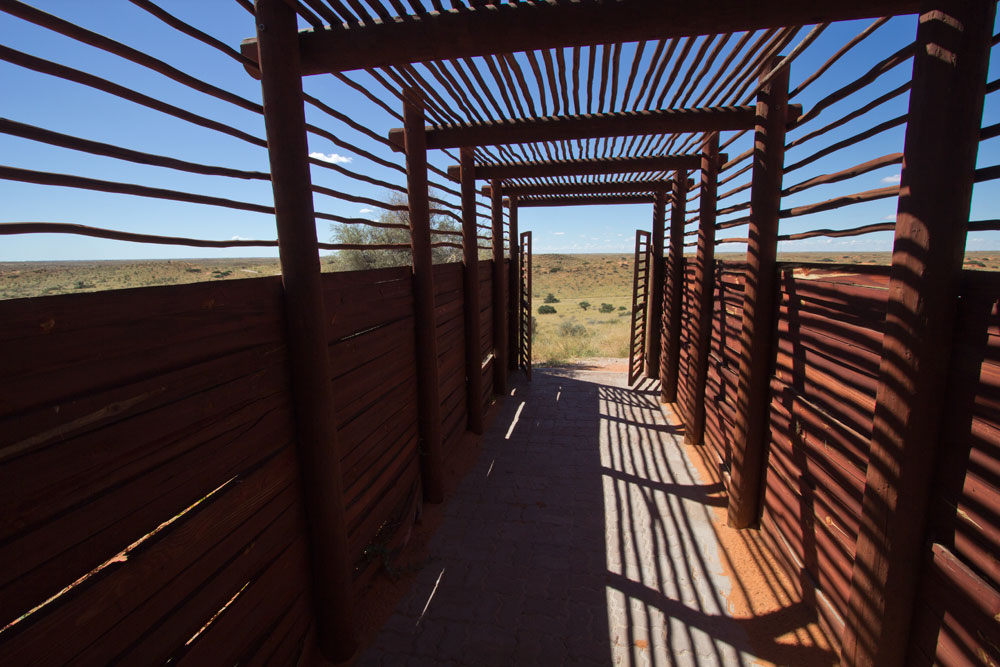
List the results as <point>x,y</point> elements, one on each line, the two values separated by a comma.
<point>509,27</point>
<point>625,187</point>
<point>585,200</point>
<point>589,126</point>
<point>592,167</point>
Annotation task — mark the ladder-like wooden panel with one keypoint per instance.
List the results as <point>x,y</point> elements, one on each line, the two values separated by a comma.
<point>524,316</point>
<point>640,295</point>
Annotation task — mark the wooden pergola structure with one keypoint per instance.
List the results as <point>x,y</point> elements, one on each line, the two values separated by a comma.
<point>519,157</point>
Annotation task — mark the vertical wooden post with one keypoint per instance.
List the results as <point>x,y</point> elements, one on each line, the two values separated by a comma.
<point>499,289</point>
<point>655,288</point>
<point>674,299</point>
<point>470,253</point>
<point>428,386</point>
<point>704,287</point>
<point>513,289</point>
<point>759,302</point>
<point>946,104</point>
<point>308,354</point>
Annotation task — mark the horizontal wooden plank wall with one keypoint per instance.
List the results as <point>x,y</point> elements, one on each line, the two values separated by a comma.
<point>958,604</point>
<point>148,479</point>
<point>373,369</point>
<point>486,327</point>
<point>829,338</point>
<point>723,361</point>
<point>449,303</point>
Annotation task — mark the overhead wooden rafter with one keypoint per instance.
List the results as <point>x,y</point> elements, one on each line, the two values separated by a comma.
<point>589,126</point>
<point>591,167</point>
<point>645,186</point>
<point>586,200</point>
<point>509,27</point>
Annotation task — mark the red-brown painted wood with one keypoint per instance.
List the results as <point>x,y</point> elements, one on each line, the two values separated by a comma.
<point>514,322</point>
<point>749,450</point>
<point>499,294</point>
<point>317,445</point>
<point>583,167</point>
<point>513,27</point>
<point>655,286</point>
<point>674,306</point>
<point>946,103</point>
<point>428,395</point>
<point>470,282</point>
<point>704,279</point>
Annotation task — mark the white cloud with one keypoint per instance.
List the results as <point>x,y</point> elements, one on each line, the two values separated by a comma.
<point>891,179</point>
<point>332,157</point>
<point>890,218</point>
<point>239,238</point>
<point>558,233</point>
<point>366,210</point>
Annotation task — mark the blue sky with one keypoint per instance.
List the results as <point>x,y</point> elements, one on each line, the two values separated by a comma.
<point>70,108</point>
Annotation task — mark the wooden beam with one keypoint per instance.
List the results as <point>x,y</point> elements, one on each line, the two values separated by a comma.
<point>499,295</point>
<point>942,140</point>
<point>704,286</point>
<point>428,384</point>
<point>470,286</point>
<point>510,27</point>
<point>654,303</point>
<point>589,126</point>
<point>594,167</point>
<point>308,352</point>
<point>625,187</point>
<point>670,366</point>
<point>513,288</point>
<point>585,200</point>
<point>760,295</point>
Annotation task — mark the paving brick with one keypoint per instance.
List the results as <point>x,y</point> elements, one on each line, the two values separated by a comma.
<point>575,549</point>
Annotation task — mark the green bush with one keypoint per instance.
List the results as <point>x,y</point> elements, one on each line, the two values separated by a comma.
<point>607,308</point>
<point>622,308</point>
<point>555,269</point>
<point>585,305</point>
<point>546,310</point>
<point>551,298</point>
<point>572,330</point>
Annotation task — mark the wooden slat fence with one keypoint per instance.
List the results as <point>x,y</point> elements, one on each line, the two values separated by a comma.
<point>148,468</point>
<point>824,373</point>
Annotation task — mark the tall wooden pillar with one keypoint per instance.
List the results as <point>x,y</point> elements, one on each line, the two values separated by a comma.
<point>946,103</point>
<point>674,298</point>
<point>499,293</point>
<point>513,290</point>
<point>308,354</point>
<point>704,286</point>
<point>470,253</point>
<point>655,287</point>
<point>428,386</point>
<point>759,303</point>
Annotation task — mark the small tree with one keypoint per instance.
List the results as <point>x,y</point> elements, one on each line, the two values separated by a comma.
<point>397,215</point>
<point>551,298</point>
<point>585,305</point>
<point>607,308</point>
<point>546,310</point>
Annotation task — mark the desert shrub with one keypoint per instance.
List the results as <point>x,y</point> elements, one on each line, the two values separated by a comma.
<point>585,305</point>
<point>621,308</point>
<point>572,330</point>
<point>607,308</point>
<point>555,269</point>
<point>546,310</point>
<point>622,313</point>
<point>551,298</point>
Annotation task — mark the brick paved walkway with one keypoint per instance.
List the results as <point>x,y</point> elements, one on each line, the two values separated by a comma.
<point>581,536</point>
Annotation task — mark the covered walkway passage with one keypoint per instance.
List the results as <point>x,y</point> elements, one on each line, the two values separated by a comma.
<point>588,533</point>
